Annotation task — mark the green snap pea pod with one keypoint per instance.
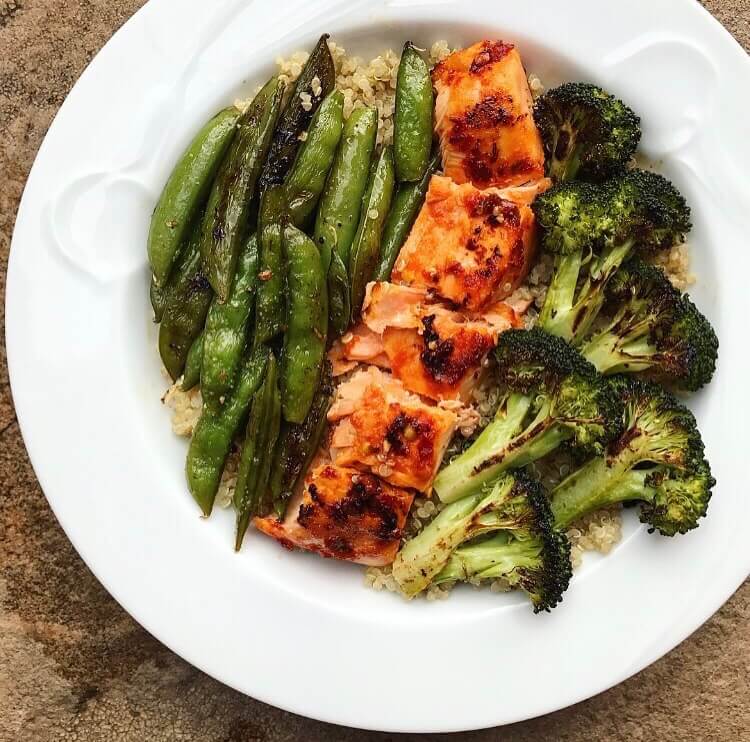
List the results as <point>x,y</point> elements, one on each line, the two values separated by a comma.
<point>226,329</point>
<point>412,120</point>
<point>158,296</point>
<point>297,445</point>
<point>186,191</point>
<point>406,204</point>
<point>306,179</point>
<point>230,202</point>
<point>339,303</point>
<point>375,206</point>
<point>257,451</point>
<point>269,305</point>
<point>295,118</point>
<point>306,325</point>
<point>192,373</point>
<point>340,204</point>
<point>212,437</point>
<point>188,300</point>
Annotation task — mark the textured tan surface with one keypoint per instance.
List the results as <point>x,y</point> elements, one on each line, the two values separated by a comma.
<point>73,665</point>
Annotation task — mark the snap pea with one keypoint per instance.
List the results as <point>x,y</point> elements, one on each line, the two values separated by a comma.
<point>306,179</point>
<point>226,329</point>
<point>366,245</point>
<point>269,309</point>
<point>187,302</point>
<point>297,445</point>
<point>158,296</point>
<point>229,205</point>
<point>412,120</point>
<point>212,437</point>
<point>295,118</point>
<point>406,204</point>
<point>339,304</point>
<point>257,452</point>
<point>340,204</point>
<point>192,373</point>
<point>186,190</point>
<point>306,324</point>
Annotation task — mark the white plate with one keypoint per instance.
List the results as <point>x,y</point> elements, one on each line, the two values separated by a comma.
<point>292,629</point>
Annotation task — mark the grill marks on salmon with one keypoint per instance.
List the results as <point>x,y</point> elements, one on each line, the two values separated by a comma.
<point>383,429</point>
<point>432,349</point>
<point>484,119</point>
<point>471,247</point>
<point>343,513</point>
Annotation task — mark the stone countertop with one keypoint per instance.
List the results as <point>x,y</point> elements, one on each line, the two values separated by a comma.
<point>75,666</point>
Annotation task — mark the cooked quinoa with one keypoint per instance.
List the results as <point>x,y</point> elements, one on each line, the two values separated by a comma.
<point>373,83</point>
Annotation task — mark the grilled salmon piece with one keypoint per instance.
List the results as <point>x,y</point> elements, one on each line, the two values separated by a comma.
<point>383,429</point>
<point>343,514</point>
<point>484,119</point>
<point>468,246</point>
<point>432,349</point>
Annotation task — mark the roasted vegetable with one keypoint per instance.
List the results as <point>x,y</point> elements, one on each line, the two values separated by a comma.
<point>549,396</point>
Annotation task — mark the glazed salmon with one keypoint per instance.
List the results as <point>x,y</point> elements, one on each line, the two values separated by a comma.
<point>433,350</point>
<point>483,117</point>
<point>345,514</point>
<point>468,246</point>
<point>382,428</point>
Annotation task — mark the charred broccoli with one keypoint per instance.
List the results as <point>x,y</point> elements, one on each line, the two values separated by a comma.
<point>587,133</point>
<point>655,329</point>
<point>551,395</point>
<point>592,230</point>
<point>658,459</point>
<point>523,547</point>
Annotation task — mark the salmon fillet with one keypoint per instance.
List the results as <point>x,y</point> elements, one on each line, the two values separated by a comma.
<point>468,246</point>
<point>343,514</point>
<point>433,350</point>
<point>383,429</point>
<point>484,119</point>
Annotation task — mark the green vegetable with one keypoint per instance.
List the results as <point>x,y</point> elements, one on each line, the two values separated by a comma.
<point>307,325</point>
<point>192,373</point>
<point>212,437</point>
<point>550,396</point>
<point>412,121</point>
<point>406,204</point>
<point>295,119</point>
<point>523,546</point>
<point>250,495</point>
<point>185,192</point>
<point>591,230</point>
<point>366,245</point>
<point>587,133</point>
<point>230,203</point>
<point>655,329</point>
<point>306,179</point>
<point>188,299</point>
<point>658,460</point>
<point>341,202</point>
<point>158,296</point>
<point>226,330</point>
<point>269,312</point>
<point>339,302</point>
<point>297,445</point>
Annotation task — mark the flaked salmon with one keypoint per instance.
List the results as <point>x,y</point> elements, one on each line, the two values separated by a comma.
<point>383,429</point>
<point>343,513</point>
<point>484,119</point>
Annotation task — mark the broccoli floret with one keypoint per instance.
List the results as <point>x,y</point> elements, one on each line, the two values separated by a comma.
<point>658,459</point>
<point>587,133</point>
<point>655,329</point>
<point>550,396</point>
<point>591,231</point>
<point>524,549</point>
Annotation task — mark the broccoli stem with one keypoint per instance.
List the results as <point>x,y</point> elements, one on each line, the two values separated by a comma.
<point>492,558</point>
<point>557,312</point>
<point>503,445</point>
<point>610,354</point>
<point>599,483</point>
